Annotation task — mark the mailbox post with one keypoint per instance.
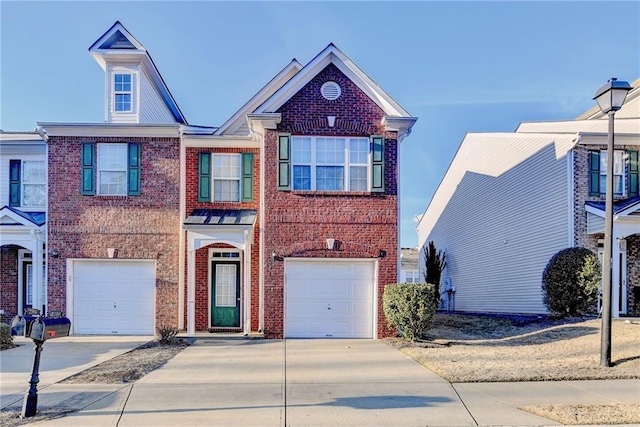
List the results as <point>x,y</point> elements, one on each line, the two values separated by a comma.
<point>39,329</point>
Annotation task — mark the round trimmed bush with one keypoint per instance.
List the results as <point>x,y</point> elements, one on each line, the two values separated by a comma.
<point>570,282</point>
<point>409,307</point>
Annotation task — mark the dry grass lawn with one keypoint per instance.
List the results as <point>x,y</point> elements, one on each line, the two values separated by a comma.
<point>485,349</point>
<point>463,348</point>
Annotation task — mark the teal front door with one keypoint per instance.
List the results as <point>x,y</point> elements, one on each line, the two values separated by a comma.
<point>225,301</point>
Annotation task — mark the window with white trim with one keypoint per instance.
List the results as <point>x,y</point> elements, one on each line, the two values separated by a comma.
<point>618,172</point>
<point>34,184</point>
<point>112,169</point>
<point>412,276</point>
<point>330,163</point>
<point>122,90</point>
<point>226,172</point>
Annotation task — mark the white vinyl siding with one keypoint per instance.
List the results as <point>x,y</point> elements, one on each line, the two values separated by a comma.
<point>152,106</point>
<point>502,212</point>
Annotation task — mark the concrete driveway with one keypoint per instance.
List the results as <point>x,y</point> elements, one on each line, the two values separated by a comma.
<point>307,383</point>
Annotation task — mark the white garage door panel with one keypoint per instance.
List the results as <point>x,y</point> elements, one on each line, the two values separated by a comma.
<point>329,299</point>
<point>113,297</point>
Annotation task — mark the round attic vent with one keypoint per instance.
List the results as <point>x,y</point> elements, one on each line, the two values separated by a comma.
<point>331,90</point>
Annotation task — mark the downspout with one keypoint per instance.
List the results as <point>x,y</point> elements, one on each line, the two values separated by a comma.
<point>181,233</point>
<point>45,304</point>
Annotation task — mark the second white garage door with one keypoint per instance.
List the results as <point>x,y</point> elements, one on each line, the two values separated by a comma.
<point>329,298</point>
<point>113,297</point>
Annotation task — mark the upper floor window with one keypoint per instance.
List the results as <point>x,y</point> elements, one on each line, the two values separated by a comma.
<point>618,172</point>
<point>27,183</point>
<point>112,169</point>
<point>122,92</point>
<point>318,163</point>
<point>225,177</point>
<point>625,173</point>
<point>330,164</point>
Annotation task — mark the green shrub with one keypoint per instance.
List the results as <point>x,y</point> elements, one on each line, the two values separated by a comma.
<point>570,282</point>
<point>166,334</point>
<point>410,308</point>
<point>5,334</point>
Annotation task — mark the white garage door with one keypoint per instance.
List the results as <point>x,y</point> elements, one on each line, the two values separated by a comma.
<point>332,299</point>
<point>113,297</point>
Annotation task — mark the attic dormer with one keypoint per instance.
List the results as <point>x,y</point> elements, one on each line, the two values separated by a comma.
<point>134,89</point>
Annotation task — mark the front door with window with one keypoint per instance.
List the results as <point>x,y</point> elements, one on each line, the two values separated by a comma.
<point>225,292</point>
<point>27,286</point>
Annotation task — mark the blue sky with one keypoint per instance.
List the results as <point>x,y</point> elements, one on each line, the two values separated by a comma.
<point>458,66</point>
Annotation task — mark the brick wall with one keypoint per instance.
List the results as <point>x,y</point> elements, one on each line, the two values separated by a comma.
<point>202,263</point>
<point>139,227</point>
<point>8,282</point>
<point>297,223</point>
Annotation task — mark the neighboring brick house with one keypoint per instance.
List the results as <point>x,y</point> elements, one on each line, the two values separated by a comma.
<point>509,201</point>
<point>282,221</point>
<point>23,201</point>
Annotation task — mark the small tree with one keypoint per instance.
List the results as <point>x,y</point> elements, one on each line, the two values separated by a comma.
<point>409,308</point>
<point>570,282</point>
<point>434,264</point>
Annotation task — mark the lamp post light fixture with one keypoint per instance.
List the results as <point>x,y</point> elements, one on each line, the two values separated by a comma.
<point>610,98</point>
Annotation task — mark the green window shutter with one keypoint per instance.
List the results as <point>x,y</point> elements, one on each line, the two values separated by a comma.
<point>133,169</point>
<point>377,164</point>
<point>284,162</point>
<point>204,177</point>
<point>594,173</point>
<point>14,182</point>
<point>633,173</point>
<point>88,169</point>
<point>247,177</point>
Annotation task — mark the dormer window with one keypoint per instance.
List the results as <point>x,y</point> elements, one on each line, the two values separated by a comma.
<point>122,92</point>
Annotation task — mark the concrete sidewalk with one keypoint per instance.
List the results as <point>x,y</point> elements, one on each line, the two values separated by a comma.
<point>310,383</point>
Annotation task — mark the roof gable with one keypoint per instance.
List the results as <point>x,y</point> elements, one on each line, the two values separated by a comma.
<point>238,122</point>
<point>332,55</point>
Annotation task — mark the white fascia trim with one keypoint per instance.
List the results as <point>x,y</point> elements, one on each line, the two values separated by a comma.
<point>600,138</point>
<point>402,125</point>
<point>21,137</point>
<point>122,130</point>
<point>594,211</point>
<point>219,142</point>
<point>236,120</point>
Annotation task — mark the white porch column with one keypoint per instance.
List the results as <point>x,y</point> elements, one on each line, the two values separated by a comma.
<point>615,276</point>
<point>36,268</point>
<point>247,282</point>
<point>191,289</point>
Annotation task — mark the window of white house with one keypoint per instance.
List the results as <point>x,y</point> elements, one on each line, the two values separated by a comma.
<point>618,172</point>
<point>122,92</point>
<point>34,188</point>
<point>226,177</point>
<point>330,164</point>
<point>112,169</point>
<point>412,276</point>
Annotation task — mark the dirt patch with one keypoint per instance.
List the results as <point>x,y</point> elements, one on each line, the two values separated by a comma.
<point>130,366</point>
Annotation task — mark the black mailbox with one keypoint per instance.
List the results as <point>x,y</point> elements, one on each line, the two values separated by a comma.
<point>21,325</point>
<point>46,328</point>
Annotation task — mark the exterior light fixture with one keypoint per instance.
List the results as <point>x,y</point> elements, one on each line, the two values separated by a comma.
<point>330,244</point>
<point>610,98</point>
<point>111,252</point>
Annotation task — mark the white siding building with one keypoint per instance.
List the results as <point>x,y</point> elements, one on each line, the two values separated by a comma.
<point>509,201</point>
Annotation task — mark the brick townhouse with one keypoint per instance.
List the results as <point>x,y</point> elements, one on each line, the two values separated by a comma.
<point>281,221</point>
